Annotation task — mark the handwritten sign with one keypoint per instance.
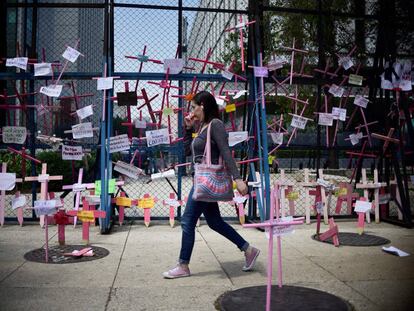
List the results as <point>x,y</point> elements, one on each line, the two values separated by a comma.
<point>355,79</point>
<point>172,202</point>
<point>298,122</point>
<point>78,187</point>
<point>239,94</point>
<point>146,203</point>
<point>345,62</point>
<point>319,207</point>
<point>261,72</point>
<point>71,54</point>
<point>219,101</point>
<point>275,64</point>
<point>280,230</point>
<point>336,91</point>
<point>355,138</point>
<point>111,186</point>
<point>325,119</point>
<point>362,206</point>
<point>361,101</point>
<point>293,195</point>
<point>126,98</point>
<point>123,201</point>
<point>14,134</point>
<point>45,207</point>
<point>72,153</point>
<point>128,169</point>
<point>166,174</point>
<point>174,64</point>
<point>84,112</point>
<point>339,113</point>
<point>82,130</point>
<point>105,83</point>
<point>230,108</point>
<point>42,69</point>
<point>86,216</point>
<point>7,181</point>
<point>93,199</point>
<point>237,137</point>
<point>51,90</point>
<point>143,58</point>
<point>140,124</point>
<point>43,177</point>
<point>341,192</point>
<point>227,74</point>
<point>277,138</point>
<point>157,137</point>
<point>18,202</point>
<point>168,111</point>
<point>19,62</point>
<point>119,143</point>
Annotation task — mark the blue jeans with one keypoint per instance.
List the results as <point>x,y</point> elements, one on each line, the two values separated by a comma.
<point>193,211</point>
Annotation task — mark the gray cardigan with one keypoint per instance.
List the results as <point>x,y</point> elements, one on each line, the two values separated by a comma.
<point>219,146</point>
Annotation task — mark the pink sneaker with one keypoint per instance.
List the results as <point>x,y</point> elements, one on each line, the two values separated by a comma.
<point>177,272</point>
<point>251,259</point>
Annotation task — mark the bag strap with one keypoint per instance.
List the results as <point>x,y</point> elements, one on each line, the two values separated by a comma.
<point>207,148</point>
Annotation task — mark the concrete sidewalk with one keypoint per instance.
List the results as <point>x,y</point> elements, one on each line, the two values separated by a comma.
<point>129,278</point>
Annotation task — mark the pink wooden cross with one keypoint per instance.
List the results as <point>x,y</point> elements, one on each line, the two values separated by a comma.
<point>286,188</point>
<point>293,49</point>
<point>146,203</point>
<point>307,184</point>
<point>276,226</point>
<point>66,63</point>
<point>240,26</point>
<point>147,102</point>
<point>360,155</point>
<point>19,209</point>
<point>387,139</point>
<point>331,232</point>
<point>361,217</point>
<point>173,203</point>
<point>61,220</point>
<point>123,202</point>
<point>326,71</point>
<point>3,194</point>
<point>348,197</point>
<point>239,201</point>
<point>43,179</point>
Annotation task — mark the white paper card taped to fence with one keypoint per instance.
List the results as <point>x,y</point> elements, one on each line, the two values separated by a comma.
<point>140,124</point>
<point>105,83</point>
<point>51,90</point>
<point>71,54</point>
<point>339,113</point>
<point>174,64</point>
<point>19,62</point>
<point>227,74</point>
<point>19,201</point>
<point>45,207</point>
<point>157,137</point>
<point>361,101</point>
<point>336,91</point>
<point>362,206</point>
<point>42,69</point>
<point>72,153</point>
<point>239,94</point>
<point>128,169</point>
<point>119,143</point>
<point>277,138</point>
<point>237,137</point>
<point>82,130</point>
<point>261,72</point>
<point>14,134</point>
<point>84,112</point>
<point>298,122</point>
<point>325,119</point>
<point>7,181</point>
<point>345,62</point>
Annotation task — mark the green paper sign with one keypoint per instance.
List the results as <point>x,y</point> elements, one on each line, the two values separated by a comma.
<point>168,111</point>
<point>111,186</point>
<point>355,79</point>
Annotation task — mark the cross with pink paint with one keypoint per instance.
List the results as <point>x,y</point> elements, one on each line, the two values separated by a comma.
<point>7,183</point>
<point>239,201</point>
<point>173,203</point>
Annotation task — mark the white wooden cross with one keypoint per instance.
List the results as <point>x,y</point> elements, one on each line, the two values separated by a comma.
<point>307,184</point>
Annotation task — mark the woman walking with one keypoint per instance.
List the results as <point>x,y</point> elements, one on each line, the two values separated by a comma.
<point>205,110</point>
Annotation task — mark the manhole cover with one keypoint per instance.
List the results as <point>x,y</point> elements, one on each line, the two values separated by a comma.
<point>285,298</point>
<point>354,239</point>
<point>56,254</point>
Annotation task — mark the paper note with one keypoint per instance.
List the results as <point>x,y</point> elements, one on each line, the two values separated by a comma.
<point>325,119</point>
<point>86,216</point>
<point>237,137</point>
<point>361,101</point>
<point>293,195</point>
<point>14,134</point>
<point>355,79</point>
<point>119,143</point>
<point>140,124</point>
<point>354,139</point>
<point>51,90</point>
<point>341,192</point>
<point>84,112</point>
<point>111,186</point>
<point>19,62</point>
<point>74,153</point>
<point>82,130</point>
<point>143,58</point>
<point>230,108</point>
<point>345,62</point>
<point>168,111</point>
<point>126,98</point>
<point>298,122</point>
<point>339,113</point>
<point>146,203</point>
<point>123,201</point>
<point>239,94</point>
<point>43,177</point>
<point>78,187</point>
<point>105,83</point>
<point>128,169</point>
<point>238,199</point>
<point>172,202</point>
<point>277,138</point>
<point>157,137</point>
<point>261,72</point>
<point>19,201</point>
<point>336,91</point>
<point>240,25</point>
<point>219,101</point>
<point>362,206</point>
<point>275,64</point>
<point>71,54</point>
<point>227,74</point>
<point>319,207</point>
<point>42,69</point>
<point>174,64</point>
<point>93,199</point>
<point>279,230</point>
<point>167,174</point>
<point>45,207</point>
<point>395,251</point>
<point>7,181</point>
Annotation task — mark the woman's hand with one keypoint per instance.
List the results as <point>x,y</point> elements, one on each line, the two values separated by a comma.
<point>189,120</point>
<point>241,186</point>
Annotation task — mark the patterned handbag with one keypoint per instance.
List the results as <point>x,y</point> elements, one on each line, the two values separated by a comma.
<point>212,182</point>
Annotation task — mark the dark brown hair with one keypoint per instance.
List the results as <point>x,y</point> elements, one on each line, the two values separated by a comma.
<point>211,109</point>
